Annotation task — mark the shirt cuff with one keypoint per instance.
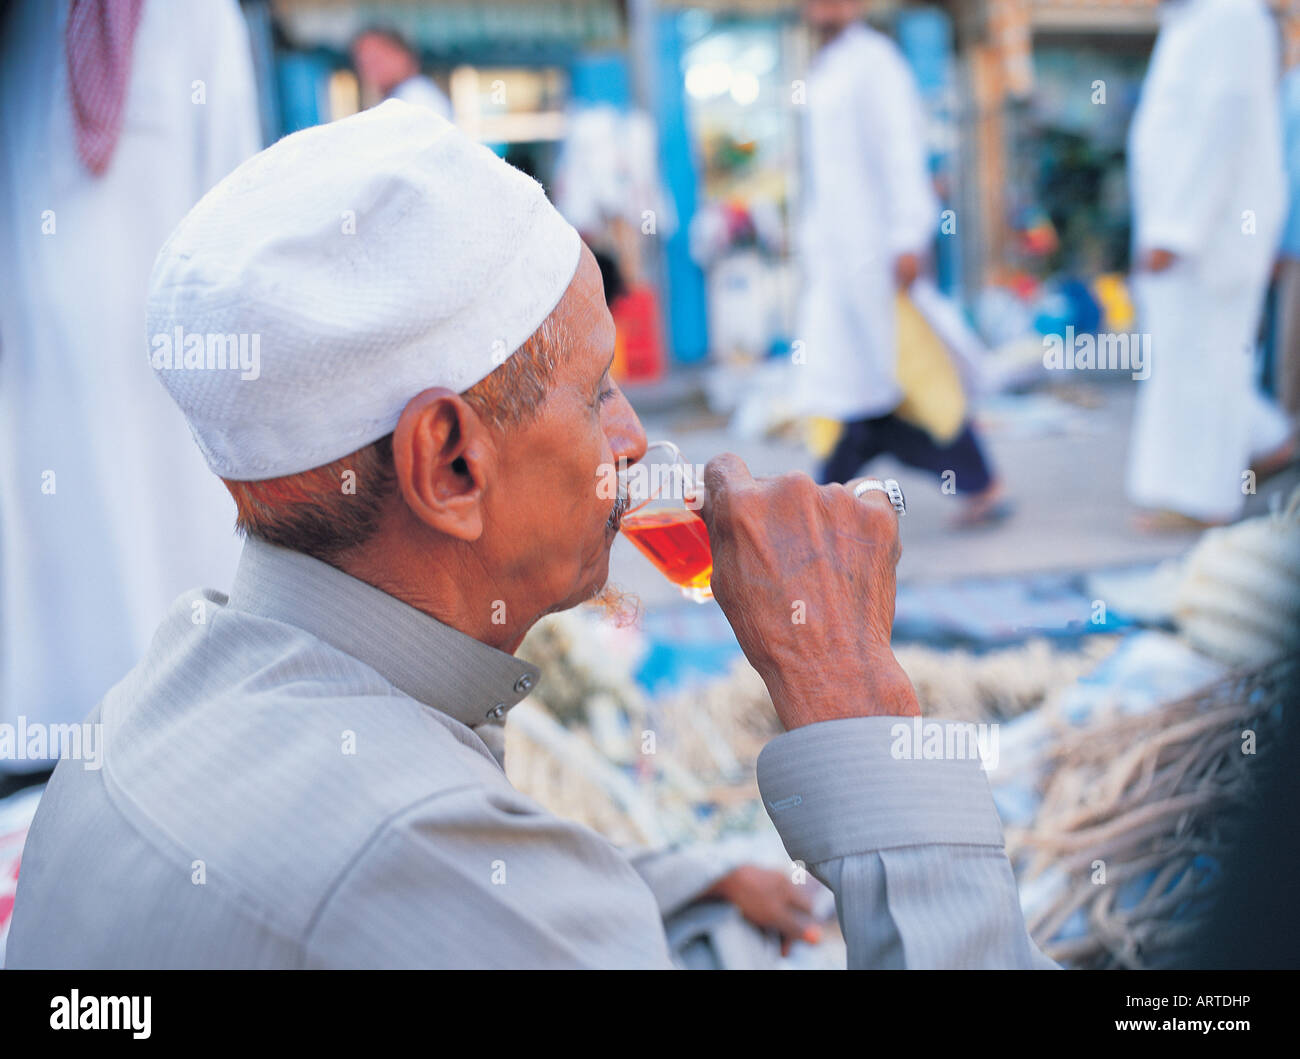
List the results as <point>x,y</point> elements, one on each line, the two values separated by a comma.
<point>860,784</point>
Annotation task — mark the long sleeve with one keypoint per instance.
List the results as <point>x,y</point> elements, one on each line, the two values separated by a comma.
<point>911,847</point>
<point>678,876</point>
<point>1187,188</point>
<point>892,106</point>
<point>1192,146</point>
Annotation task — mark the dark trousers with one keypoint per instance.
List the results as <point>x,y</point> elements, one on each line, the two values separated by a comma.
<point>862,440</point>
<point>13,782</point>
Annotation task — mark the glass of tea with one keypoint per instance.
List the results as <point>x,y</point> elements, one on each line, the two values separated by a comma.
<point>662,519</point>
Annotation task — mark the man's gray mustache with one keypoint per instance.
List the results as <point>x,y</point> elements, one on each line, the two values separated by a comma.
<point>618,510</point>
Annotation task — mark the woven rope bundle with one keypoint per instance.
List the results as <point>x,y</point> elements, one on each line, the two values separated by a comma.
<point>699,780</point>
<point>1137,814</point>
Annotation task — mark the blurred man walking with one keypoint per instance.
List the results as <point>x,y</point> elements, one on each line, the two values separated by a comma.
<point>1209,196</point>
<point>869,216</point>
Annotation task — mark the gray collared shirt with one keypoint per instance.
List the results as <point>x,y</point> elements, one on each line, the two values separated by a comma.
<point>307,773</point>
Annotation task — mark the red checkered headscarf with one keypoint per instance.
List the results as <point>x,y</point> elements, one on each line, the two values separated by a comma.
<point>98,41</point>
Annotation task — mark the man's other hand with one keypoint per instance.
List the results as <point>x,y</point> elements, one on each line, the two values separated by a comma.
<point>770,900</point>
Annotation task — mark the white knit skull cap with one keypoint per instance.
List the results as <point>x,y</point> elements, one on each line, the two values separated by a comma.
<point>332,277</point>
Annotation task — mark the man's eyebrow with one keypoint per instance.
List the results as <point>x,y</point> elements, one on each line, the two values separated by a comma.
<point>606,369</point>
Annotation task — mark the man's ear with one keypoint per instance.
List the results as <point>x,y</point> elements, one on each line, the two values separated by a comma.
<point>444,456</point>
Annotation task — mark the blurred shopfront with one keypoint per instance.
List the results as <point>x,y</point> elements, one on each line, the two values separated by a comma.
<point>1049,89</point>
<point>670,130</point>
<point>550,85</point>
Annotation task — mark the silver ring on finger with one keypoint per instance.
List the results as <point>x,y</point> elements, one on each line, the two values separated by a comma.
<point>889,487</point>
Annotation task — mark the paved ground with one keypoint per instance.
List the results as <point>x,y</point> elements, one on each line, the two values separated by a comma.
<point>1062,452</point>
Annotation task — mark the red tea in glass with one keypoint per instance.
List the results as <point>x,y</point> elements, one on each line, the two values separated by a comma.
<point>663,494</point>
<point>676,541</point>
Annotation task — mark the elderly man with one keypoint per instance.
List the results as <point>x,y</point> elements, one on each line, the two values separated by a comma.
<point>307,773</point>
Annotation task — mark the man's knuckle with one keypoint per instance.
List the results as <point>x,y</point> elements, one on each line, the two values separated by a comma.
<point>878,515</point>
<point>797,485</point>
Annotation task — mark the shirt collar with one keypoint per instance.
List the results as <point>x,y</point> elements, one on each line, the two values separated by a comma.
<point>432,662</point>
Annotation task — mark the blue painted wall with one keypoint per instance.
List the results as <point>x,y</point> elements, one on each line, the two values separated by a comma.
<point>686,308</point>
<point>925,37</point>
<point>600,78</point>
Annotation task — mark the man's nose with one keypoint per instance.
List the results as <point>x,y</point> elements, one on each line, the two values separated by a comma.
<point>626,436</point>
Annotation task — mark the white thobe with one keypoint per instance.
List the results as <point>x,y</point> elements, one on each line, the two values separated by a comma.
<point>106,508</point>
<point>1207,180</point>
<point>868,199</point>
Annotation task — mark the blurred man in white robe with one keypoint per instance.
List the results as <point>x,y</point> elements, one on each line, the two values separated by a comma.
<point>1209,199</point>
<point>388,67</point>
<point>869,216</point>
<point>115,118</point>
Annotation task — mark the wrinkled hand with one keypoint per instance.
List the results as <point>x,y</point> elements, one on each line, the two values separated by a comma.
<point>805,575</point>
<point>770,900</point>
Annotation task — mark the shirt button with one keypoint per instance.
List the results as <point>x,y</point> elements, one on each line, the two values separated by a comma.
<point>497,712</point>
<point>524,683</point>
